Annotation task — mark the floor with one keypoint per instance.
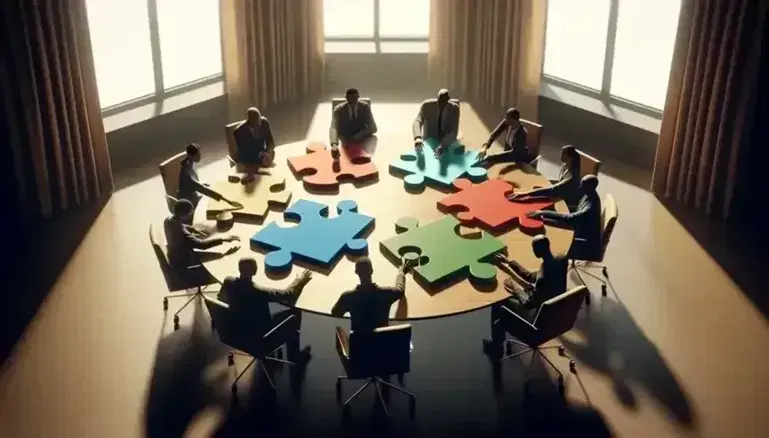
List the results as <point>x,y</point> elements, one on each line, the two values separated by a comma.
<point>677,349</point>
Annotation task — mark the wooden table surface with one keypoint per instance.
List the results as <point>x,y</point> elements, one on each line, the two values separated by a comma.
<point>386,200</point>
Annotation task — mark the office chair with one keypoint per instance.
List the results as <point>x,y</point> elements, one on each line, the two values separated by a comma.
<point>609,215</point>
<point>169,172</point>
<point>533,139</point>
<point>249,344</point>
<point>555,317</point>
<point>191,281</point>
<point>373,355</point>
<point>232,147</point>
<point>589,165</point>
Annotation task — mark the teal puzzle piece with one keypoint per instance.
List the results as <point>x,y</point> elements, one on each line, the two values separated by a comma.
<point>317,239</point>
<point>421,168</point>
<point>443,254</point>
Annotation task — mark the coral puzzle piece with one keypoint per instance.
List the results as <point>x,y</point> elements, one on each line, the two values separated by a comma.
<point>320,169</point>
<point>257,196</point>
<point>486,204</point>
<point>444,255</point>
<point>422,168</point>
<point>317,238</point>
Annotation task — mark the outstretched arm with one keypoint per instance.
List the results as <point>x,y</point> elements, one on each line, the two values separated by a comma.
<point>567,218</point>
<point>342,306</point>
<point>333,134</point>
<point>371,127</point>
<point>495,134</point>
<point>198,242</point>
<point>556,190</point>
<point>418,125</point>
<point>270,138</point>
<point>291,292</point>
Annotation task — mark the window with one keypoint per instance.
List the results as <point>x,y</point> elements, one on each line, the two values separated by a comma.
<point>146,51</point>
<point>376,26</point>
<point>619,50</point>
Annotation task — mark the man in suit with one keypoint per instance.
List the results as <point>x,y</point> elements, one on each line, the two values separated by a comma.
<point>585,220</point>
<point>352,121</point>
<point>183,240</point>
<point>369,304</point>
<point>250,305</point>
<point>190,187</point>
<point>253,137</point>
<point>515,147</point>
<point>437,119</point>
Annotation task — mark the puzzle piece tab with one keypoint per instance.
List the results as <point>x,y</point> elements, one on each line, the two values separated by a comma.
<point>443,253</point>
<point>421,168</point>
<point>486,204</point>
<point>317,238</point>
<point>257,196</point>
<point>319,168</point>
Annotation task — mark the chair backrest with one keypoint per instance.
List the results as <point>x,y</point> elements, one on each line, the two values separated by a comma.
<point>383,351</point>
<point>223,321</point>
<point>534,137</point>
<point>556,316</point>
<point>229,134</point>
<point>340,100</point>
<point>609,215</point>
<point>588,165</point>
<point>169,172</point>
<point>162,256</point>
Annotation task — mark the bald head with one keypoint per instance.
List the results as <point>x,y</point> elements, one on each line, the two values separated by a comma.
<point>253,116</point>
<point>247,267</point>
<point>364,269</point>
<point>589,183</point>
<point>541,245</point>
<point>443,96</point>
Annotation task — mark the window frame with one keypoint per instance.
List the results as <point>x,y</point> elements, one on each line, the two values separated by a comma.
<point>160,93</point>
<point>376,38</point>
<point>604,94</point>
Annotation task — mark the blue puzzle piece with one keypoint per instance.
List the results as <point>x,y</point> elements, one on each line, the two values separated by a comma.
<point>423,167</point>
<point>318,238</point>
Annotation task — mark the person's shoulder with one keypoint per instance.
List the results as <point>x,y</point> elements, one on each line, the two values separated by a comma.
<point>265,122</point>
<point>340,106</point>
<point>364,104</point>
<point>240,126</point>
<point>430,101</point>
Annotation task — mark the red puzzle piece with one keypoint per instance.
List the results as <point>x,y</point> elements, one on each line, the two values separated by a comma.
<point>487,203</point>
<point>318,169</point>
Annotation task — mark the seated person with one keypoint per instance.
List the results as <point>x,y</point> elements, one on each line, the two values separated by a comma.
<point>190,187</point>
<point>437,119</point>
<point>250,305</point>
<point>515,149</point>
<point>255,144</point>
<point>585,221</point>
<point>369,304</point>
<point>183,239</point>
<point>537,287</point>
<point>352,122</point>
<point>567,185</point>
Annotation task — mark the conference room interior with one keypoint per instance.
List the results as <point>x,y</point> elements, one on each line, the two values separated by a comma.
<point>97,94</point>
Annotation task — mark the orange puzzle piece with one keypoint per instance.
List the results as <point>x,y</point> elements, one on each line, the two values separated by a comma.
<point>319,169</point>
<point>487,204</point>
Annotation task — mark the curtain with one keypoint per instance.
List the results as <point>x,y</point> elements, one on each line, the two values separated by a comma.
<point>272,50</point>
<point>707,114</point>
<point>56,143</point>
<point>490,50</point>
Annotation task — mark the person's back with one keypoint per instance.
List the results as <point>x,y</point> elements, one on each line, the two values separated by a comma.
<point>178,247</point>
<point>588,227</point>
<point>550,279</point>
<point>249,307</point>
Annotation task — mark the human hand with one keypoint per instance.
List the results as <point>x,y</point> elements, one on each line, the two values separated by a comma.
<point>536,214</point>
<point>305,276</point>
<point>418,144</point>
<point>232,238</point>
<point>407,264</point>
<point>233,249</point>
<point>482,154</point>
<point>439,151</point>
<point>500,258</point>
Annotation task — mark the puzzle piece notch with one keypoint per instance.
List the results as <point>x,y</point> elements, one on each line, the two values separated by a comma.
<point>316,238</point>
<point>422,168</point>
<point>319,167</point>
<point>486,204</point>
<point>256,196</point>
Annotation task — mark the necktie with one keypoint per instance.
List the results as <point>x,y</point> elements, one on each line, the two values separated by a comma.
<point>440,122</point>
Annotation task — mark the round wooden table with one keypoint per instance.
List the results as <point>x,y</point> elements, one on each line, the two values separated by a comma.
<point>387,201</point>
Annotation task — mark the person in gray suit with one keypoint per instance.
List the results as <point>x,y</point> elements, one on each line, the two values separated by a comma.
<point>515,149</point>
<point>352,122</point>
<point>253,137</point>
<point>437,119</point>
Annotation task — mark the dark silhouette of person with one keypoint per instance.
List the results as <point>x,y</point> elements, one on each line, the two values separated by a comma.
<point>369,303</point>
<point>585,220</point>
<point>566,187</point>
<point>183,240</point>
<point>190,186</point>
<point>352,121</point>
<point>250,305</point>
<point>530,290</point>
<point>254,141</point>
<point>516,149</point>
<point>438,118</point>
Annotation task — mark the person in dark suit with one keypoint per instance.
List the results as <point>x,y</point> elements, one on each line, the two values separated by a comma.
<point>437,119</point>
<point>250,304</point>
<point>585,220</point>
<point>183,240</point>
<point>253,137</point>
<point>190,186</point>
<point>352,121</point>
<point>530,290</point>
<point>566,187</point>
<point>515,147</point>
<point>369,304</point>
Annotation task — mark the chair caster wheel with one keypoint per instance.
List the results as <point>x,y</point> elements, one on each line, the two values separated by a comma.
<point>603,289</point>
<point>230,359</point>
<point>234,390</point>
<point>176,319</point>
<point>561,351</point>
<point>561,389</point>
<point>165,303</point>
<point>572,366</point>
<point>279,353</point>
<point>176,326</point>
<point>346,412</point>
<point>338,390</point>
<point>508,348</point>
<point>605,272</point>
<point>213,326</point>
<point>587,299</point>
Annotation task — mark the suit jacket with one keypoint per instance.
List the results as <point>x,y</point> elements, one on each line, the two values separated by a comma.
<point>250,146</point>
<point>426,123</point>
<point>369,305</point>
<point>345,126</point>
<point>251,303</point>
<point>586,222</point>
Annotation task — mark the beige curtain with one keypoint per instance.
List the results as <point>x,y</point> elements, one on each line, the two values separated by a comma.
<point>707,113</point>
<point>56,139</point>
<point>273,51</point>
<point>489,50</point>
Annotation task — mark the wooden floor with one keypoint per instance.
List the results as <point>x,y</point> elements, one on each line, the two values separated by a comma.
<point>677,349</point>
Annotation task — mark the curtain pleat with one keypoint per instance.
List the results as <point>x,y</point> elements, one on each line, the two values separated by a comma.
<point>490,50</point>
<point>707,111</point>
<point>58,144</point>
<point>273,51</point>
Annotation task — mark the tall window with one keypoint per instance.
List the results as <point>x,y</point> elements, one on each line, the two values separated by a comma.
<point>376,26</point>
<point>619,50</point>
<point>147,50</point>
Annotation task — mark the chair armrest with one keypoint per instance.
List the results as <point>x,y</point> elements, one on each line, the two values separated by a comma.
<point>343,342</point>
<point>517,325</point>
<point>283,325</point>
<point>535,161</point>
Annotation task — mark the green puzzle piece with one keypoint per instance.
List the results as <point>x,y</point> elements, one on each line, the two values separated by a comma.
<point>444,254</point>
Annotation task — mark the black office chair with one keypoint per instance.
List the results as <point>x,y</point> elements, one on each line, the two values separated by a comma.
<point>248,343</point>
<point>609,215</point>
<point>555,317</point>
<point>373,356</point>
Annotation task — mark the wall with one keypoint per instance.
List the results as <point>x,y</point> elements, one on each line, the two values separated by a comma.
<point>378,74</point>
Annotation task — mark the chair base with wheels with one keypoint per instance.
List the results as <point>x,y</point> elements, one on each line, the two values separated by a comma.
<point>191,294</point>
<point>538,351</point>
<point>278,357</point>
<point>380,384</point>
<point>581,267</point>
